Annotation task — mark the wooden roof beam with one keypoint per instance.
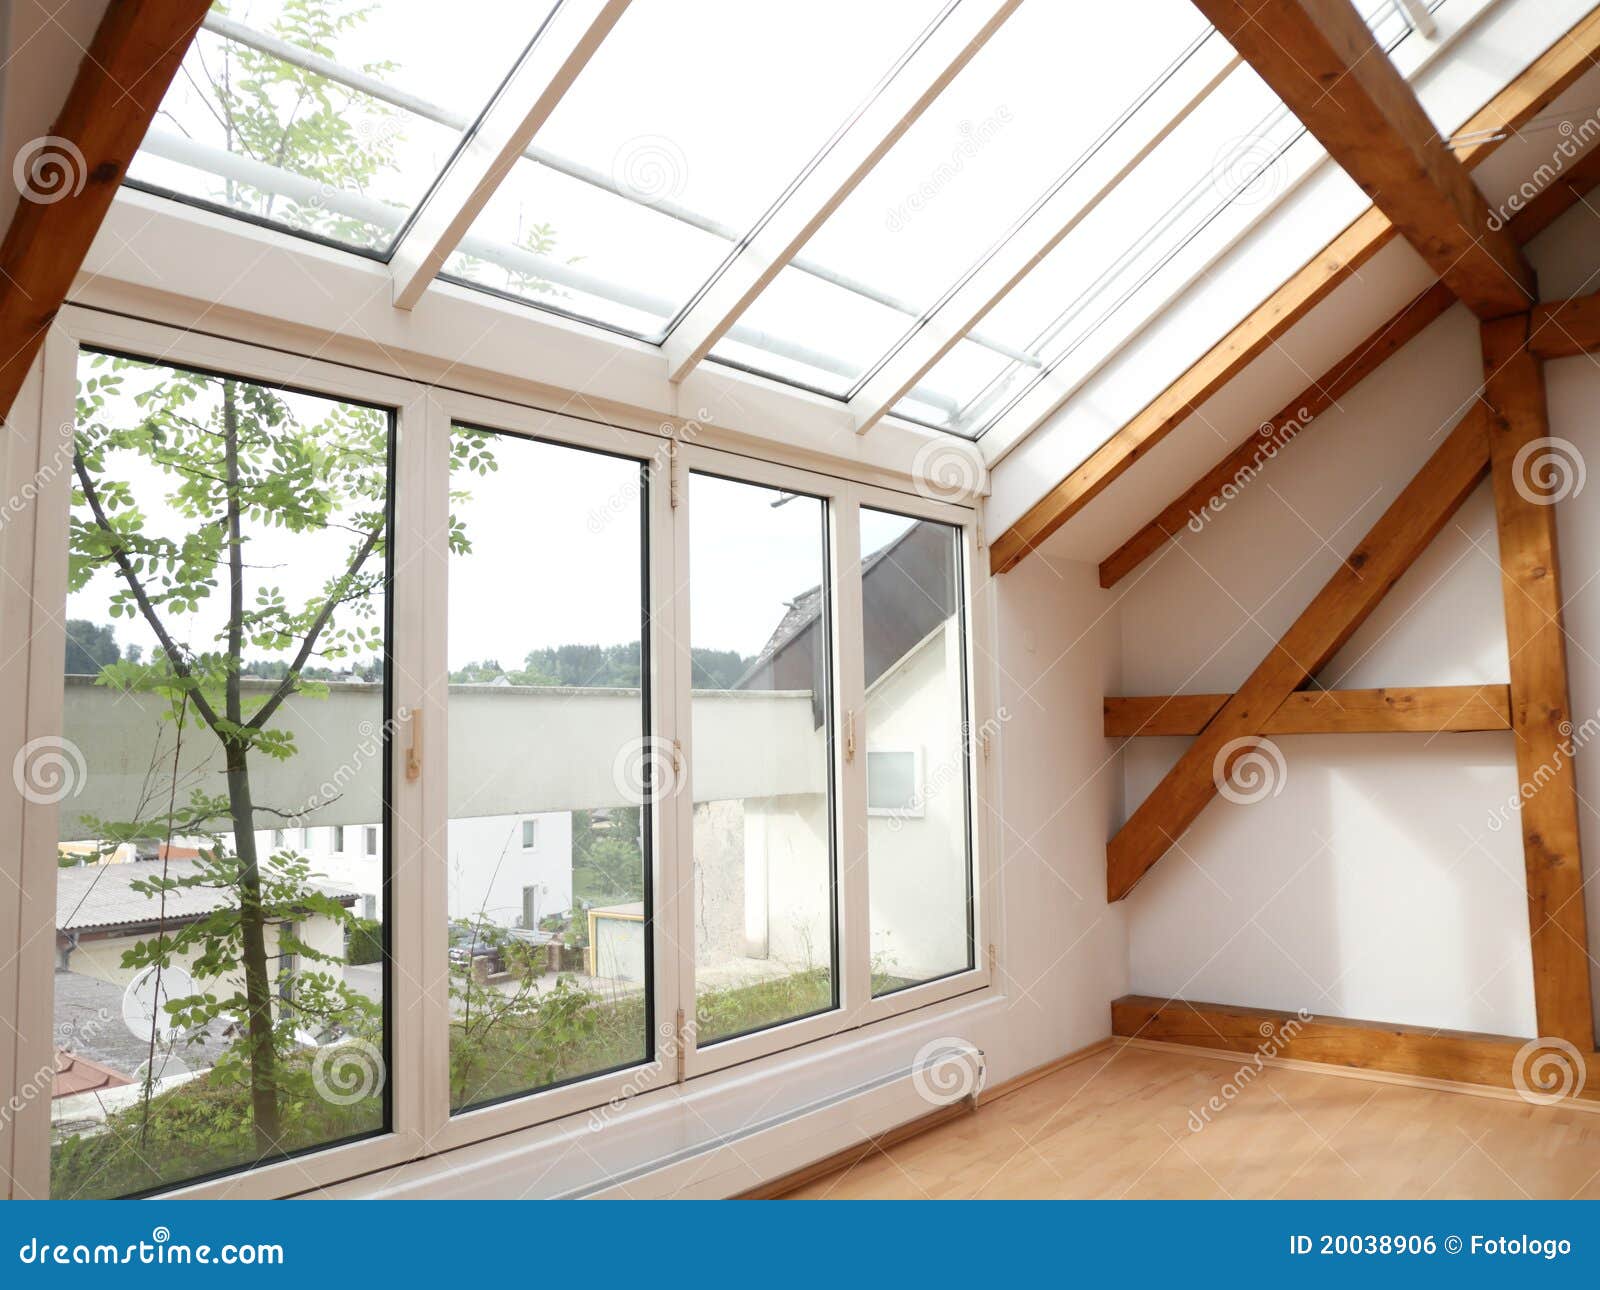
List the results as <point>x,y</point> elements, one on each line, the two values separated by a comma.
<point>1323,61</point>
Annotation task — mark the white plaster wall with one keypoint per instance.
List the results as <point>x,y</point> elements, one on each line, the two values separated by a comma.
<point>1062,949</point>
<point>1382,880</point>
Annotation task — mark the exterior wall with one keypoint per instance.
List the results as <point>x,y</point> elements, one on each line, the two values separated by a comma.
<point>918,861</point>
<point>488,867</point>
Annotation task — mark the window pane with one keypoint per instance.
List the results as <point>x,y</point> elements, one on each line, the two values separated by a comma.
<point>330,117</point>
<point>550,766</point>
<point>1207,180</point>
<point>672,144</point>
<point>1023,112</point>
<point>759,608</point>
<point>219,985</point>
<point>919,869</point>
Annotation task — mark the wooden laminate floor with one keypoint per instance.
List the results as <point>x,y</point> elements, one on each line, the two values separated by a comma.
<point>1121,1123</point>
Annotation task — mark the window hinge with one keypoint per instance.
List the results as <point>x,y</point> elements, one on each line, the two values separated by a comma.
<point>683,1048</point>
<point>991,958</point>
<point>983,742</point>
<point>677,761</point>
<point>849,734</point>
<point>673,474</point>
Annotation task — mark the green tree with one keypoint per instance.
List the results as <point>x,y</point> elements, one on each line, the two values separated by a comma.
<point>90,647</point>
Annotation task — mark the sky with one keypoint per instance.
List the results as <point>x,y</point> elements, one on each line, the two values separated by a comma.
<point>556,553</point>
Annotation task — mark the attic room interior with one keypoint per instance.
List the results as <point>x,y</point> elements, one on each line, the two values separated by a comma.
<point>1102,714</point>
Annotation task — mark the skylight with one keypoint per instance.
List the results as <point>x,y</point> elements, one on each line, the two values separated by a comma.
<point>688,124</point>
<point>334,126</point>
<point>1063,143</point>
<point>1042,90</point>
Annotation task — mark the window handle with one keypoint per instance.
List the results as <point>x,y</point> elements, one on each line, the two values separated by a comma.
<point>414,747</point>
<point>849,734</point>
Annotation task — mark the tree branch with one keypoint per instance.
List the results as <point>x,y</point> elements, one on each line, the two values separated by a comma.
<point>146,607</point>
<point>288,685</point>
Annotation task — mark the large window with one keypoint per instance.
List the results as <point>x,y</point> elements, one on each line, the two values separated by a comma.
<point>918,827</point>
<point>219,993</point>
<point>429,767</point>
<point>551,766</point>
<point>760,609</point>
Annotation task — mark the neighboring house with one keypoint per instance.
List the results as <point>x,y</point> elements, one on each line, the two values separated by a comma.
<point>759,857</point>
<point>100,916</point>
<point>506,868</point>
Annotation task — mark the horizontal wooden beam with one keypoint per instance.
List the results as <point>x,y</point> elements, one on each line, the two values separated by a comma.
<point>1499,119</point>
<point>1191,507</point>
<point>1465,1057</point>
<point>1324,62</point>
<point>1565,328</point>
<point>1424,709</point>
<point>1412,520</point>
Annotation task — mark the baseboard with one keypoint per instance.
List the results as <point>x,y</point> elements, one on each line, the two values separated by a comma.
<point>1039,1072</point>
<point>778,1188</point>
<point>790,1182</point>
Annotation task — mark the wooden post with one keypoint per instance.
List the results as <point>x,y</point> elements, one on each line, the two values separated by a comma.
<point>1530,570</point>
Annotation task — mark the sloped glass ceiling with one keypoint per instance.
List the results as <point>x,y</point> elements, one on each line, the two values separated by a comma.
<point>694,119</point>
<point>327,117</point>
<point>689,122</point>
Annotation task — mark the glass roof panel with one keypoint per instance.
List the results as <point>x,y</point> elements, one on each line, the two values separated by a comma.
<point>691,121</point>
<point>1229,155</point>
<point>1043,89</point>
<point>330,117</point>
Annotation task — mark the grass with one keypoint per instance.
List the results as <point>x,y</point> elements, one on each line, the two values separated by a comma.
<point>203,1126</point>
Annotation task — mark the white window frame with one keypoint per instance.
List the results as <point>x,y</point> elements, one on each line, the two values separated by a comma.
<point>32,554</point>
<point>530,833</point>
